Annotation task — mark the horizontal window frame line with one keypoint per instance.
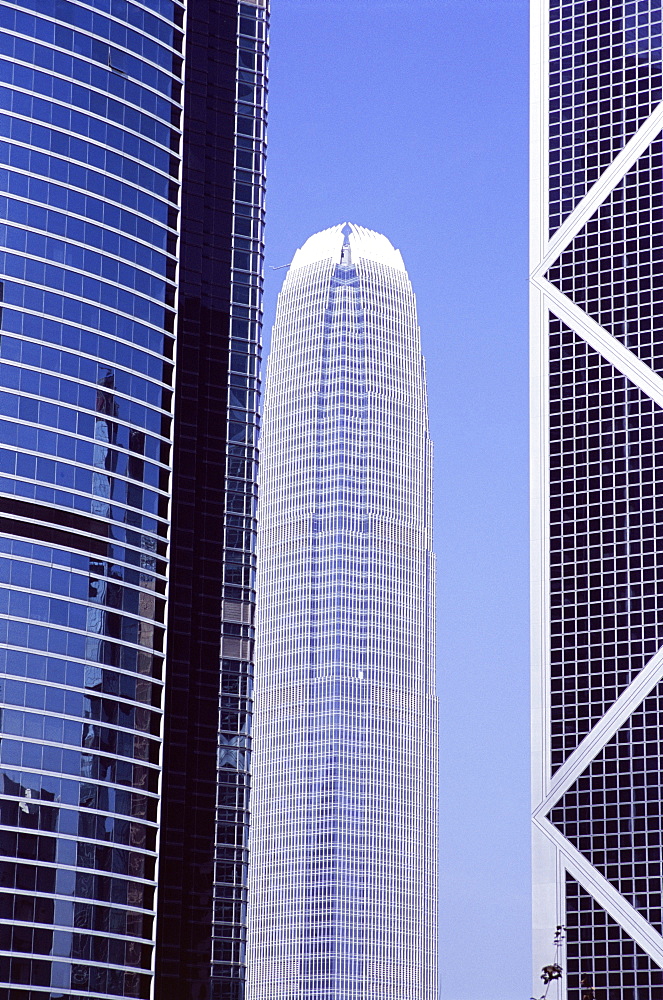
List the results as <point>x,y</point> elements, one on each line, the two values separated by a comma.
<point>24,200</point>
<point>10,532</point>
<point>72,992</point>
<point>10,363</point>
<point>69,540</point>
<point>75,689</point>
<point>86,720</point>
<point>92,62</point>
<point>87,138</point>
<point>135,588</point>
<point>135,3</point>
<point>62,266</point>
<point>95,723</point>
<point>87,810</point>
<point>10,390</point>
<point>76,464</point>
<point>125,643</point>
<point>86,574</point>
<point>59,805</point>
<point>102,666</point>
<point>67,929</point>
<point>72,436</point>
<point>64,518</point>
<point>24,310</point>
<point>50,153</point>
<point>72,961</point>
<point>116,20</point>
<point>86,246</point>
<point>238,272</point>
<point>85,191</point>
<point>92,496</point>
<point>75,838</point>
<point>65,349</point>
<point>36,863</point>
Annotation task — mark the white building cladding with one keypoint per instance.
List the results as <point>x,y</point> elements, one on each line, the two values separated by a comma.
<point>597,412</point>
<point>344,842</point>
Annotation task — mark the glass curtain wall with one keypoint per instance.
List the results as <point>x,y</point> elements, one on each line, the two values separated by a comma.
<point>91,98</point>
<point>343,893</point>
<point>203,853</point>
<point>132,235</point>
<point>597,526</point>
<point>239,589</point>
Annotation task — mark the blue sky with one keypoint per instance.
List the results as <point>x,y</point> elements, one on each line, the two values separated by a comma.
<point>411,118</point>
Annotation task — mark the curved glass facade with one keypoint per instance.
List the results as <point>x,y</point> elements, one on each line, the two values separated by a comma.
<point>89,194</point>
<point>343,883</point>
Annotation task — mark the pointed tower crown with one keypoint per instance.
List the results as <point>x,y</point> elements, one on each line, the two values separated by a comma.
<point>363,243</point>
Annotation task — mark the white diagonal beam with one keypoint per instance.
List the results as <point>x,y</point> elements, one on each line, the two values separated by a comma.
<point>649,382</point>
<point>605,894</point>
<point>597,337</point>
<point>603,731</point>
<point>604,186</point>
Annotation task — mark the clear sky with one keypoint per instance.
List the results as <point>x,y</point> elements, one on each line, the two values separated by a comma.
<point>410,117</point>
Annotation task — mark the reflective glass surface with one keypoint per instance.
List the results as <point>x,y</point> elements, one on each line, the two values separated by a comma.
<point>89,161</point>
<point>602,960</point>
<point>201,934</point>
<point>613,813</point>
<point>606,527</point>
<point>598,450</point>
<point>238,607</point>
<point>605,79</point>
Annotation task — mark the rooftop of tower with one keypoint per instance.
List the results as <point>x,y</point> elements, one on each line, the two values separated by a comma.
<point>362,242</point>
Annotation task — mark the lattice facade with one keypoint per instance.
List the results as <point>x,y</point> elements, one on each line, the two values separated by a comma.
<point>343,892</point>
<point>597,519</point>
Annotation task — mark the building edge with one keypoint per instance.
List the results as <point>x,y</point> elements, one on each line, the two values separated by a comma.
<point>204,831</point>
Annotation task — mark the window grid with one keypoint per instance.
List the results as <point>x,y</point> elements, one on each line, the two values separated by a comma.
<point>90,151</point>
<point>605,79</point>
<point>602,961</point>
<point>238,607</point>
<point>606,528</point>
<point>613,812</point>
<point>345,731</point>
<point>612,268</point>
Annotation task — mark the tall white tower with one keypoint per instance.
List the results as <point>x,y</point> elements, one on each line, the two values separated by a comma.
<point>597,491</point>
<point>343,890</point>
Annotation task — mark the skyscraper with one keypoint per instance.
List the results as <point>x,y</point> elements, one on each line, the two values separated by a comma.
<point>132,184</point>
<point>597,491</point>
<point>343,888</point>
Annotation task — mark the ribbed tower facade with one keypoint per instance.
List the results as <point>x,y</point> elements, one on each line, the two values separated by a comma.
<point>131,196</point>
<point>597,494</point>
<point>343,891</point>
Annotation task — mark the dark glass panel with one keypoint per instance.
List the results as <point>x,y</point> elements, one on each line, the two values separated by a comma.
<point>605,80</point>
<point>606,529</point>
<point>613,813</point>
<point>612,268</point>
<point>602,960</point>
